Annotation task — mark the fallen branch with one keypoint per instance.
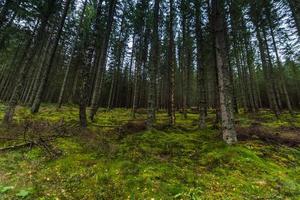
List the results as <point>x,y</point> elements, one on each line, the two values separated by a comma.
<point>107,126</point>
<point>27,144</point>
<point>8,138</point>
<point>41,141</point>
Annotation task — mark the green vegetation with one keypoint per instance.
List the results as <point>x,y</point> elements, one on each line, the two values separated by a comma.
<point>149,99</point>
<point>172,163</point>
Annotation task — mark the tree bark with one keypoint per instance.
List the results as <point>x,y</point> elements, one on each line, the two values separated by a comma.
<point>282,77</point>
<point>171,65</point>
<point>83,87</point>
<point>200,67</point>
<point>64,84</point>
<point>10,109</point>
<point>255,15</point>
<point>100,72</point>
<point>295,8</point>
<point>45,76</point>
<point>227,118</point>
<point>154,66</point>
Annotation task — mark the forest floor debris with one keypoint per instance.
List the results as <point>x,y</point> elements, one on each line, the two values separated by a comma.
<point>289,136</point>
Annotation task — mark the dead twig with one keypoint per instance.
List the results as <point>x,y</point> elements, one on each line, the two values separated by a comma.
<point>18,146</point>
<point>8,138</point>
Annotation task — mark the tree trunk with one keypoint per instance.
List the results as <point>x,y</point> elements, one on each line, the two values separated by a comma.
<point>129,80</point>
<point>270,89</point>
<point>282,77</point>
<point>4,12</point>
<point>45,76</point>
<point>64,84</point>
<point>37,76</point>
<point>273,84</point>
<point>183,58</point>
<point>100,72</point>
<point>171,65</point>
<point>136,81</point>
<point>83,87</point>
<point>255,15</point>
<point>200,67</point>
<point>153,67</point>
<point>295,8</point>
<point>10,109</point>
<point>227,118</point>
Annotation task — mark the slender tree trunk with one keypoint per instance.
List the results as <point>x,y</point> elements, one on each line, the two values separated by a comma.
<point>10,109</point>
<point>5,75</point>
<point>75,83</point>
<point>101,68</point>
<point>271,71</point>
<point>281,70</point>
<point>200,67</point>
<point>83,87</point>
<point>63,87</point>
<point>234,21</point>
<point>154,66</point>
<point>250,65</point>
<point>171,65</point>
<point>98,43</point>
<point>136,82</point>
<point>295,8</point>
<point>37,77</point>
<point>183,58</point>
<point>4,12</point>
<point>129,95</point>
<point>276,100</point>
<point>45,76</point>
<point>29,87</point>
<point>246,74</point>
<point>112,87</point>
<point>5,37</point>
<point>255,15</point>
<point>227,118</point>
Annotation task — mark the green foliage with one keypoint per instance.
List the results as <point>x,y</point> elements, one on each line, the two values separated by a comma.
<point>4,189</point>
<point>24,193</point>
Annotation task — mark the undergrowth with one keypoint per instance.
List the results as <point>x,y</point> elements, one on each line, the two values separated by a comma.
<point>173,163</point>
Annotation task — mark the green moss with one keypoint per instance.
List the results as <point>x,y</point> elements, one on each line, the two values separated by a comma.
<point>176,163</point>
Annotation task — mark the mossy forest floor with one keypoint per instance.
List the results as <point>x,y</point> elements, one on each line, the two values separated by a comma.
<point>183,162</point>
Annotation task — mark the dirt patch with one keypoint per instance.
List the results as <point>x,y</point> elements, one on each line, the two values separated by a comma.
<point>293,129</point>
<point>284,136</point>
<point>134,126</point>
<point>131,127</point>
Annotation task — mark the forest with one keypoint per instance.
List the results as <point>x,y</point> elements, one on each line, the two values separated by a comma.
<point>149,99</point>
